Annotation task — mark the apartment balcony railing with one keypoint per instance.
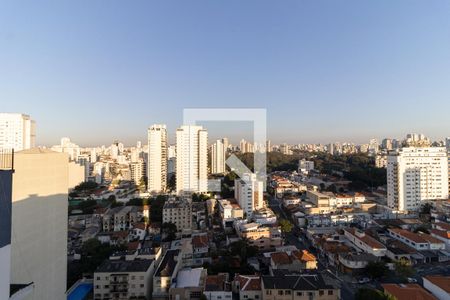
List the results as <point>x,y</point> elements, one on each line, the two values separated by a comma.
<point>6,159</point>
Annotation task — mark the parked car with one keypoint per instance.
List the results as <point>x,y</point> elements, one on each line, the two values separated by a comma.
<point>364,280</point>
<point>411,280</point>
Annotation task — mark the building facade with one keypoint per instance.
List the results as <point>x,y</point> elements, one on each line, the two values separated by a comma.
<point>17,131</point>
<point>415,175</point>
<point>248,192</point>
<point>192,160</point>
<point>157,158</point>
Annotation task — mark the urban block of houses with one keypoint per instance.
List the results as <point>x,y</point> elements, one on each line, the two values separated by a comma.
<point>418,241</point>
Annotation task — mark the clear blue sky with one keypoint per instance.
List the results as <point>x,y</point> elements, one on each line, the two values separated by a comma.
<point>325,70</point>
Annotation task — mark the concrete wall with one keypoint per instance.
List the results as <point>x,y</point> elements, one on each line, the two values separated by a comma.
<point>5,231</point>
<point>39,222</point>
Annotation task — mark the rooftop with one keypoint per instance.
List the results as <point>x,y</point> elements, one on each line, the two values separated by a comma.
<point>407,292</point>
<point>296,282</point>
<point>167,265</point>
<point>441,281</point>
<point>124,266</point>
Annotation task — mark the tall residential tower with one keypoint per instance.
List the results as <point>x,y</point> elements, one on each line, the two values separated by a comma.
<point>17,131</point>
<point>415,175</point>
<point>157,158</point>
<point>192,159</point>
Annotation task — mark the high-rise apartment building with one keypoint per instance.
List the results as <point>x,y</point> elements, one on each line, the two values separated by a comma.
<point>218,157</point>
<point>192,159</point>
<point>157,158</point>
<point>17,131</point>
<point>138,171</point>
<point>248,192</point>
<point>415,175</point>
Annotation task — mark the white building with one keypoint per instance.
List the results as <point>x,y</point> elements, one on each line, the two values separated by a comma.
<point>17,131</point>
<point>248,192</point>
<point>192,159</point>
<point>218,157</point>
<point>157,158</point>
<point>66,146</point>
<point>415,175</point>
<point>305,166</point>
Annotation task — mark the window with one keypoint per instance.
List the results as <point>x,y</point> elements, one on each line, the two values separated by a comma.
<point>280,293</point>
<point>287,292</point>
<point>321,293</point>
<point>299,294</point>
<point>330,292</point>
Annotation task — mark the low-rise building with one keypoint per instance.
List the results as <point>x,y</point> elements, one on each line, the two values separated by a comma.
<point>247,286</point>
<point>121,218</point>
<point>298,287</point>
<point>407,291</point>
<point>165,273</point>
<point>365,242</point>
<point>123,279</point>
<point>418,241</point>
<point>439,286</point>
<point>189,284</point>
<point>217,287</point>
<point>294,261</point>
<point>262,237</point>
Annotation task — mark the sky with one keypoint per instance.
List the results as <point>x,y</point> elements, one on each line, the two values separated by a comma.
<point>98,71</point>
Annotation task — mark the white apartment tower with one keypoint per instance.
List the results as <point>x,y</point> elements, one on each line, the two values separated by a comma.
<point>157,158</point>
<point>248,192</point>
<point>415,175</point>
<point>192,159</point>
<point>218,151</point>
<point>17,131</point>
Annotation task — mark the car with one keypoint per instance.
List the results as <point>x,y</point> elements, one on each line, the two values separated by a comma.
<point>411,280</point>
<point>364,280</point>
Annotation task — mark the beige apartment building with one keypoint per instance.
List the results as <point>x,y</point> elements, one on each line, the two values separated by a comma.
<point>124,279</point>
<point>178,212</point>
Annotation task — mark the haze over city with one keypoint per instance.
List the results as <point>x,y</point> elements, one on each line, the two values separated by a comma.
<point>225,150</point>
<point>324,70</point>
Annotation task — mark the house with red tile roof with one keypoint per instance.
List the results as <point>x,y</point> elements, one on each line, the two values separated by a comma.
<point>247,286</point>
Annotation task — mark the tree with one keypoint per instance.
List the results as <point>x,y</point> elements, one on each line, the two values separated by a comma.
<point>376,269</point>
<point>86,186</point>
<point>286,226</point>
<point>426,209</point>
<point>171,183</point>
<point>169,230</point>
<point>403,268</point>
<point>372,294</point>
<point>157,205</point>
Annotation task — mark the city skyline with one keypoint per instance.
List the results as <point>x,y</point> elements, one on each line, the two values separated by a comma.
<point>324,71</point>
